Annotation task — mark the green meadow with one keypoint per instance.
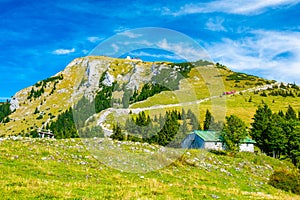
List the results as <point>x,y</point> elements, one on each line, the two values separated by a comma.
<point>65,169</point>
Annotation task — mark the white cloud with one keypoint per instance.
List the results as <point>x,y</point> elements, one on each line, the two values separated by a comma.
<point>215,24</point>
<point>121,29</point>
<point>187,52</point>
<point>63,51</point>
<point>94,39</point>
<point>84,51</point>
<point>247,7</point>
<point>130,34</point>
<point>115,47</point>
<point>276,55</point>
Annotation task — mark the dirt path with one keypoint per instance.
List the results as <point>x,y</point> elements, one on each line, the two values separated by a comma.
<point>125,111</point>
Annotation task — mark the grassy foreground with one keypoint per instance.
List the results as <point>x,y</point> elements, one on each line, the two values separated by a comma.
<point>65,169</point>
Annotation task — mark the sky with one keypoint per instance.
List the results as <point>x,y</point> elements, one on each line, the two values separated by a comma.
<point>39,38</point>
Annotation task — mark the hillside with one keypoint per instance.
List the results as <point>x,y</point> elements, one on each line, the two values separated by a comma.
<point>62,169</point>
<point>93,96</point>
<point>196,86</point>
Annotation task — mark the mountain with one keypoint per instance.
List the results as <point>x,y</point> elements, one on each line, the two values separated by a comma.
<point>124,85</point>
<point>97,96</point>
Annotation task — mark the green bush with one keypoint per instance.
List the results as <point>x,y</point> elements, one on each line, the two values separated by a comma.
<point>286,180</point>
<point>40,117</point>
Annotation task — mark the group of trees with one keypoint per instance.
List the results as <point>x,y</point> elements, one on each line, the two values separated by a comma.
<point>167,130</point>
<point>35,93</point>
<point>74,119</point>
<point>104,99</point>
<point>148,90</point>
<point>277,134</point>
<point>160,130</point>
<point>289,90</point>
<point>41,85</point>
<point>64,126</point>
<point>283,93</point>
<point>4,112</point>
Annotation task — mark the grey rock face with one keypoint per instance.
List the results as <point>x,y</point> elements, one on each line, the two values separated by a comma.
<point>14,104</point>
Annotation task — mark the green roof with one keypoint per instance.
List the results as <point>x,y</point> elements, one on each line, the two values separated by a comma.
<point>208,136</point>
<point>214,136</point>
<point>248,140</point>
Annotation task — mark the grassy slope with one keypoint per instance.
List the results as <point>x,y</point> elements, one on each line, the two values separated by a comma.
<point>207,83</point>
<point>23,118</point>
<point>44,169</point>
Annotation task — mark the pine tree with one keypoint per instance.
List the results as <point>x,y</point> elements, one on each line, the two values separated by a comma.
<point>117,133</point>
<point>193,120</point>
<point>207,121</point>
<point>179,137</point>
<point>275,139</point>
<point>293,146</point>
<point>250,99</point>
<point>291,114</point>
<point>161,121</point>
<point>36,111</point>
<point>280,113</point>
<point>168,131</point>
<point>260,126</point>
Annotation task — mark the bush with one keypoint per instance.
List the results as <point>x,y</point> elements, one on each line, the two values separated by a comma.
<point>40,117</point>
<point>286,181</point>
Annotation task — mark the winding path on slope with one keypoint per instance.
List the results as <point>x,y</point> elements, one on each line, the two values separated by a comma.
<point>125,111</point>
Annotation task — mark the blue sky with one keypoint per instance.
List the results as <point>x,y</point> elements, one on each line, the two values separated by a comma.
<point>39,38</point>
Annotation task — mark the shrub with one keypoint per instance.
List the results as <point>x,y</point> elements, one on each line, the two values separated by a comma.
<point>286,180</point>
<point>40,117</point>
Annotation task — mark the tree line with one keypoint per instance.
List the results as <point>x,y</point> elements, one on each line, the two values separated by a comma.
<point>166,130</point>
<point>277,134</point>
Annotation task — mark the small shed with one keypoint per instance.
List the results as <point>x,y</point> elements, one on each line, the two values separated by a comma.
<point>247,144</point>
<point>45,133</point>
<point>203,140</point>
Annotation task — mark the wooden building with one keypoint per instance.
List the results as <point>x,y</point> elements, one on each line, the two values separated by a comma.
<point>211,140</point>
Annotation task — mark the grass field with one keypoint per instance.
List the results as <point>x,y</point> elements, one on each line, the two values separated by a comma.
<point>65,169</point>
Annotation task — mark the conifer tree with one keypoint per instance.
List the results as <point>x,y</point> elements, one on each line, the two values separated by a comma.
<point>280,113</point>
<point>290,114</point>
<point>207,121</point>
<point>275,139</point>
<point>193,120</point>
<point>260,126</point>
<point>293,146</point>
<point>117,133</point>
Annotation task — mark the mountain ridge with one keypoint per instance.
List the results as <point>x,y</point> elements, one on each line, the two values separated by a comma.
<point>41,103</point>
